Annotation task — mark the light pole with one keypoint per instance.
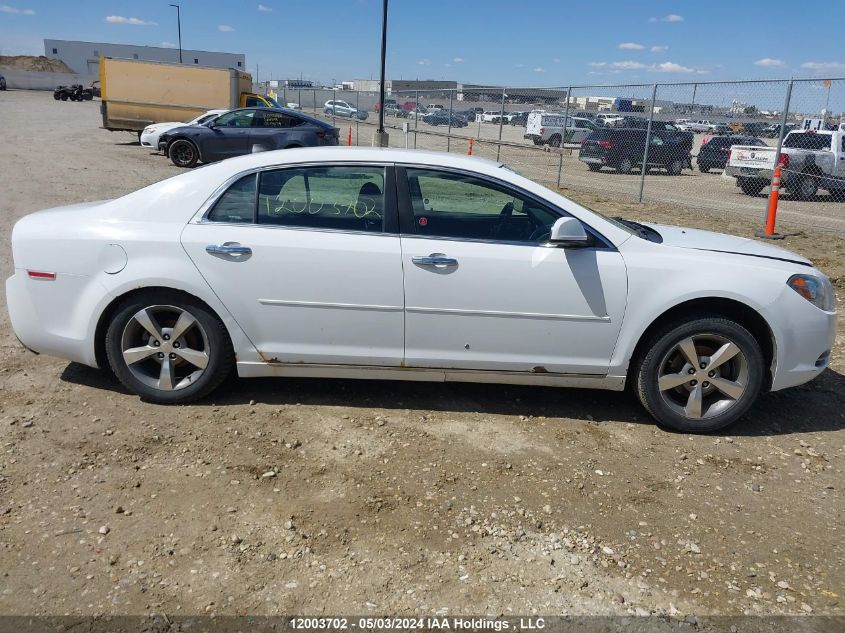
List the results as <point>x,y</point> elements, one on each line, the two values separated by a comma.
<point>179,28</point>
<point>380,138</point>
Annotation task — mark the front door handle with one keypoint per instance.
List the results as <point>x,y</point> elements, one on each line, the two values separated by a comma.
<point>229,248</point>
<point>435,259</point>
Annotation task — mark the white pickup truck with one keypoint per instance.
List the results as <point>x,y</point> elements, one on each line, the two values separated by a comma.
<point>546,128</point>
<point>809,161</point>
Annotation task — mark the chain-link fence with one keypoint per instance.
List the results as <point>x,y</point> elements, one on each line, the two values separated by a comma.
<point>712,146</point>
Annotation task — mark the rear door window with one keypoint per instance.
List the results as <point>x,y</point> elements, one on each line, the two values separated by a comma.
<point>808,140</point>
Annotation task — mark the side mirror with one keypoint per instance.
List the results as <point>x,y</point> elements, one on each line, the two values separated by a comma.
<point>568,232</point>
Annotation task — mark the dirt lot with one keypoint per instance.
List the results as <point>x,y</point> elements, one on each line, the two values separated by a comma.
<point>329,496</point>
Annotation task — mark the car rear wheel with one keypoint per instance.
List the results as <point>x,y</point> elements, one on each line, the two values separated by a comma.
<point>168,347</point>
<point>806,188</point>
<point>751,187</point>
<point>700,375</point>
<point>703,168</point>
<point>625,166</point>
<point>675,167</point>
<point>593,166</point>
<point>183,153</point>
<point>554,141</point>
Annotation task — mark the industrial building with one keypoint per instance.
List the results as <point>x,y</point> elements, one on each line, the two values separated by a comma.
<point>84,57</point>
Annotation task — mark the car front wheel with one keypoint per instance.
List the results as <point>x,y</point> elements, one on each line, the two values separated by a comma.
<point>183,153</point>
<point>168,347</point>
<point>700,375</point>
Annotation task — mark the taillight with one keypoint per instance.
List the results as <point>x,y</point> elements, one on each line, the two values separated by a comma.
<point>41,275</point>
<point>321,135</point>
<point>605,144</point>
<point>542,131</point>
<point>730,151</point>
<point>784,161</point>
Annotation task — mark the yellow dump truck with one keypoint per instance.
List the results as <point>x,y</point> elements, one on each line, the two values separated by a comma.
<point>137,93</point>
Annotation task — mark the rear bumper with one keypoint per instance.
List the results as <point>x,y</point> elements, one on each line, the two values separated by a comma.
<point>46,316</point>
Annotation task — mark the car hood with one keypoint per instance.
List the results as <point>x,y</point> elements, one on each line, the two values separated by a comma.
<point>720,243</point>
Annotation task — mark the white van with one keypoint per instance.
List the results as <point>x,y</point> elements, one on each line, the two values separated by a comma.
<point>546,128</point>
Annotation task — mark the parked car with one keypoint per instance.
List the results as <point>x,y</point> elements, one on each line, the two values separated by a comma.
<point>342,108</point>
<point>810,160</point>
<point>2,82</point>
<point>696,126</point>
<point>305,264</point>
<point>443,118</point>
<point>244,131</point>
<point>491,116</point>
<point>416,113</point>
<point>623,149</point>
<point>714,154</point>
<point>608,119</point>
<point>722,129</point>
<point>773,131</point>
<point>391,109</point>
<point>547,128</point>
<point>585,114</point>
<point>754,128</point>
<point>292,105</point>
<point>387,104</point>
<point>151,134</point>
<point>520,118</point>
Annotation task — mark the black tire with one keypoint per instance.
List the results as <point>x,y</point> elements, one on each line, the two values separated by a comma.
<point>593,166</point>
<point>219,350</point>
<point>675,167</point>
<point>657,353</point>
<point>183,153</point>
<point>63,96</point>
<point>751,187</point>
<point>625,166</point>
<point>703,168</point>
<point>56,96</point>
<point>806,188</point>
<point>555,140</point>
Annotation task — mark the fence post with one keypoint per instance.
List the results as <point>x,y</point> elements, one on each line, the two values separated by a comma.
<point>501,124</point>
<point>449,133</point>
<point>334,98</point>
<point>563,136</point>
<point>647,141</point>
<point>416,116</point>
<point>313,99</point>
<point>357,119</point>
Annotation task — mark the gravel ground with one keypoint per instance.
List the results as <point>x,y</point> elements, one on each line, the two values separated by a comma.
<point>331,496</point>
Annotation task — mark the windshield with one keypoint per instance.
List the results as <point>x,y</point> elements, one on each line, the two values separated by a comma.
<point>807,140</point>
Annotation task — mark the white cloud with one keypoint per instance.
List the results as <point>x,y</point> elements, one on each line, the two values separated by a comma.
<point>119,19</point>
<point>671,67</point>
<point>264,7</point>
<point>672,17</point>
<point>539,69</point>
<point>424,62</point>
<point>519,65</point>
<point>458,60</point>
<point>556,60</point>
<point>835,67</point>
<point>659,49</point>
<point>631,46</point>
<point>626,65</point>
<point>768,62</point>
<point>5,8</point>
<point>167,45</point>
<point>225,28</point>
<point>665,67</point>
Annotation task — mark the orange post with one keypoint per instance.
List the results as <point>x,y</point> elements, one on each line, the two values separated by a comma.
<point>349,137</point>
<point>771,216</point>
<point>469,147</point>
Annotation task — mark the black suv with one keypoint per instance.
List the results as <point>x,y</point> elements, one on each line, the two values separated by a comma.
<point>623,149</point>
<point>714,153</point>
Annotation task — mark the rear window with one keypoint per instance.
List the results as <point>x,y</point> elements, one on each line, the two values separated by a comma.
<point>807,140</point>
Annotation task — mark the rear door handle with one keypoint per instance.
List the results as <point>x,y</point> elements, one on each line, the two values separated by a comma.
<point>229,248</point>
<point>435,259</point>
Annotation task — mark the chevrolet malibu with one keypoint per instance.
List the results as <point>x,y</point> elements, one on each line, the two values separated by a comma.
<point>410,265</point>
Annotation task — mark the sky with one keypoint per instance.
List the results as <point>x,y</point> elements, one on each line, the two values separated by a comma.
<point>532,43</point>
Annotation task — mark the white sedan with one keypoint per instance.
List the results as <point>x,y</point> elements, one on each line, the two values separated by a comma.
<point>151,134</point>
<point>411,265</point>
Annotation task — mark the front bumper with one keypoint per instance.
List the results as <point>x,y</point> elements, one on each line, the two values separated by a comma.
<point>804,338</point>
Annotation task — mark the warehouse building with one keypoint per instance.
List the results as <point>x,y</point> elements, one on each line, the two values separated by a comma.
<point>84,57</point>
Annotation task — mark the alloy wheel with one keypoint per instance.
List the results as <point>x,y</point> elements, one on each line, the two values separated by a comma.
<point>165,347</point>
<point>182,153</point>
<point>703,376</point>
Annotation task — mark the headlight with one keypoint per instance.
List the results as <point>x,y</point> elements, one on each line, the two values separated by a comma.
<point>816,290</point>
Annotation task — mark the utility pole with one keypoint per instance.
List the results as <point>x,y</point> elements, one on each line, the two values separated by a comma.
<point>179,28</point>
<point>380,138</point>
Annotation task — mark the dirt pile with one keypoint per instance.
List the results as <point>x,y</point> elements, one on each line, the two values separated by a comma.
<point>39,64</point>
